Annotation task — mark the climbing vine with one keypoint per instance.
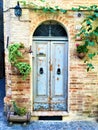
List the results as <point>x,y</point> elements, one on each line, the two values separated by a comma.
<point>88,33</point>
<point>33,6</point>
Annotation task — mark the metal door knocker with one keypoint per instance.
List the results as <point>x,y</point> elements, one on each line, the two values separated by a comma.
<point>58,71</point>
<point>41,71</point>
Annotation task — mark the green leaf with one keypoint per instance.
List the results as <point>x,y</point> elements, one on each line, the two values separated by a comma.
<point>42,0</point>
<point>45,10</point>
<point>52,10</point>
<point>63,10</point>
<point>88,69</point>
<point>91,55</point>
<point>90,17</point>
<point>91,43</point>
<point>90,28</point>
<point>75,9</point>
<point>85,61</point>
<point>88,22</point>
<point>86,34</point>
<point>23,2</point>
<point>93,6</point>
<point>90,66</point>
<point>96,12</point>
<point>95,32</point>
<point>57,7</point>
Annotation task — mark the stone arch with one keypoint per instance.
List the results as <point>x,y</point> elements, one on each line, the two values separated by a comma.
<point>50,28</point>
<point>60,19</point>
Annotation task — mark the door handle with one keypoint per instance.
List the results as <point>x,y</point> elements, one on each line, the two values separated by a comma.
<point>41,71</point>
<point>58,71</point>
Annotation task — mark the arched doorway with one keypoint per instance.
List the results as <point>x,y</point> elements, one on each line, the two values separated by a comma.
<point>50,67</point>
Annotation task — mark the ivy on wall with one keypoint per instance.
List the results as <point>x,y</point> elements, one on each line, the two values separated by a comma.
<point>88,32</point>
<point>33,6</point>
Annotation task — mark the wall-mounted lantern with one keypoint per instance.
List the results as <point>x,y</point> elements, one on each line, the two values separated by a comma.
<point>17,10</point>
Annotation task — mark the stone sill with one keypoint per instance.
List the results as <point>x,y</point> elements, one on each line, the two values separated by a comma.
<point>66,116</point>
<point>50,113</point>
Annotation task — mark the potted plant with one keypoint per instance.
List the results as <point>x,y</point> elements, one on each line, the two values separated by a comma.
<point>81,50</point>
<point>19,114</point>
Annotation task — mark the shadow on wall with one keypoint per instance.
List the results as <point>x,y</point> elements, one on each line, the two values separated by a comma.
<point>97,113</point>
<point>2,66</point>
<point>94,111</point>
<point>2,70</point>
<point>2,91</point>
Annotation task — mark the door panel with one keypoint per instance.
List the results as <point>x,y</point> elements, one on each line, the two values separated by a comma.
<point>58,89</point>
<point>50,76</point>
<point>58,65</point>
<point>41,87</point>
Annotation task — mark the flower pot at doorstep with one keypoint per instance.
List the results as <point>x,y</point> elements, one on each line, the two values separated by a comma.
<point>16,118</point>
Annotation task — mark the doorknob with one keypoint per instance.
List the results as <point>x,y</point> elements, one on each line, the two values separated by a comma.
<point>58,71</point>
<point>41,71</point>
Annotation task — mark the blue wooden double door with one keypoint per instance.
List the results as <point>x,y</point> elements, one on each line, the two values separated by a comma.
<point>50,76</point>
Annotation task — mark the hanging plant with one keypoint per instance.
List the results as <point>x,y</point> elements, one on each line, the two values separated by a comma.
<point>81,50</point>
<point>14,54</point>
<point>24,69</point>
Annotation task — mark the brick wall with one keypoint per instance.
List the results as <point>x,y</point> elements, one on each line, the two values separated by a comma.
<point>82,84</point>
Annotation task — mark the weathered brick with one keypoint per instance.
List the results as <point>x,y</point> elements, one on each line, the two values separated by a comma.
<point>83,85</point>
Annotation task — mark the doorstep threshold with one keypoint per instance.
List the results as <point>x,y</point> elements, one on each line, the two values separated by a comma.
<point>50,113</point>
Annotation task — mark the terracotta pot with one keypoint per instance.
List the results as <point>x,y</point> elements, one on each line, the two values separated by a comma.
<point>81,55</point>
<point>15,70</point>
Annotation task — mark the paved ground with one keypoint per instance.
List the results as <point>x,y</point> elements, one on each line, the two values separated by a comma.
<point>50,125</point>
<point>43,125</point>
